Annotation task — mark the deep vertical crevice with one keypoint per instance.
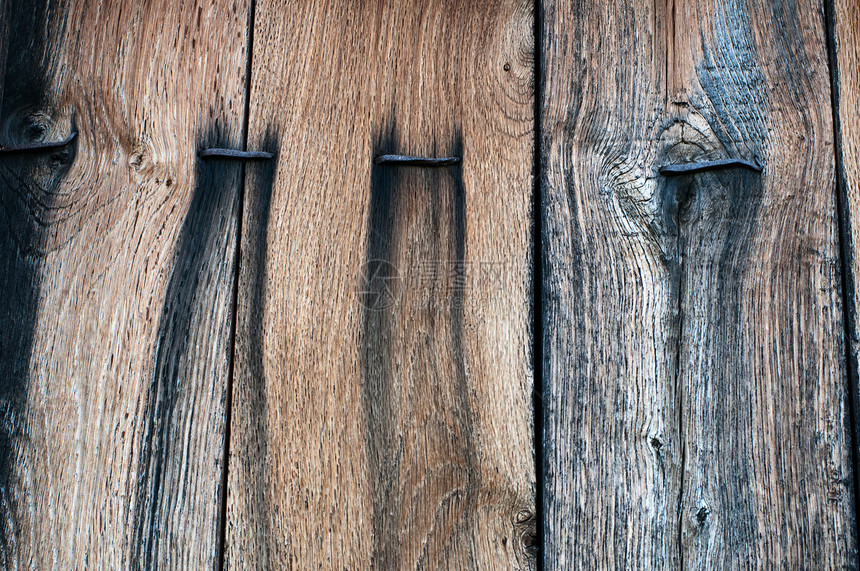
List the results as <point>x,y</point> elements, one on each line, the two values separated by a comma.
<point>679,392</point>
<point>228,407</point>
<point>537,294</point>
<point>846,255</point>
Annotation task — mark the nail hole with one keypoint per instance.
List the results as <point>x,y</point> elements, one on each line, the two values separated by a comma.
<point>507,67</point>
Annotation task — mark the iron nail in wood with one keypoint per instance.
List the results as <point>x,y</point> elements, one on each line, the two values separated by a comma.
<point>407,160</point>
<point>37,147</point>
<point>234,154</point>
<point>692,168</point>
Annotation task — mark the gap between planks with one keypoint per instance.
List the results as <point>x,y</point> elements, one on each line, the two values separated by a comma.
<point>237,260</point>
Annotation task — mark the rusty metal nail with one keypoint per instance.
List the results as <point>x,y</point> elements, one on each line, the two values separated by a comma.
<point>691,168</point>
<point>37,147</point>
<point>234,154</point>
<point>407,160</point>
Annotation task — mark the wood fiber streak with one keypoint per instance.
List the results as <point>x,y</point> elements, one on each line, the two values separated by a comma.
<point>116,270</point>
<point>382,395</point>
<point>695,402</point>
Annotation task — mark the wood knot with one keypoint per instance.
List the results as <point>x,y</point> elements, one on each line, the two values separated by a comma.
<point>138,157</point>
<point>29,128</point>
<point>525,527</point>
<point>143,160</point>
<point>529,541</point>
<point>688,138</point>
<point>702,513</point>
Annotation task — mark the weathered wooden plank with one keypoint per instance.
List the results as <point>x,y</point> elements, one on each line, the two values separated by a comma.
<point>845,76</point>
<point>116,271</point>
<point>382,396</point>
<point>696,409</point>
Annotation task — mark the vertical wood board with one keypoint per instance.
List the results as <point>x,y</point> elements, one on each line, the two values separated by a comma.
<point>382,397</point>
<point>845,75</point>
<point>116,269</point>
<point>696,403</point>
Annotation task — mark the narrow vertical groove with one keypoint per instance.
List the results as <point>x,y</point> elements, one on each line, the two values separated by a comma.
<point>237,259</point>
<point>679,394</point>
<point>537,293</point>
<point>846,255</point>
<point>671,88</point>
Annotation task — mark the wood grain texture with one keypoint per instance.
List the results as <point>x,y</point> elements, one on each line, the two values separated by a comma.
<point>696,403</point>
<point>845,76</point>
<point>116,270</point>
<point>382,397</point>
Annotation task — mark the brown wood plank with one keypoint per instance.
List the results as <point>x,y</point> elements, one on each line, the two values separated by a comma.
<point>373,431</point>
<point>116,270</point>
<point>696,408</point>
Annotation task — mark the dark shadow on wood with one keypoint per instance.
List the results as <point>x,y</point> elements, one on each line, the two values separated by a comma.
<point>402,199</point>
<point>214,198</point>
<point>28,183</point>
<point>256,209</point>
<point>380,291</point>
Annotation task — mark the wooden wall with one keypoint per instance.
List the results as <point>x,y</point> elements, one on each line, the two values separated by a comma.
<point>549,352</point>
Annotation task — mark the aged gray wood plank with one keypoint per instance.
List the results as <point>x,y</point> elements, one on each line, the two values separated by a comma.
<point>845,76</point>
<point>696,404</point>
<point>116,273</point>
<point>382,398</point>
